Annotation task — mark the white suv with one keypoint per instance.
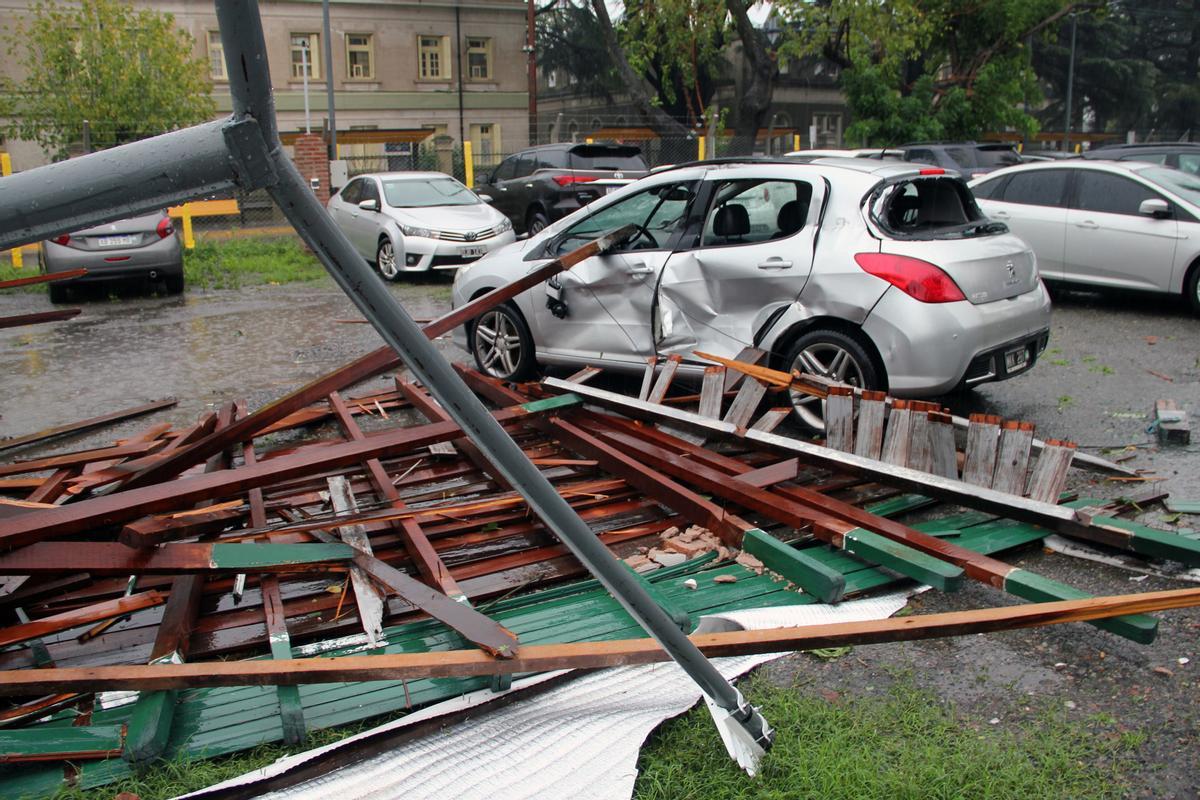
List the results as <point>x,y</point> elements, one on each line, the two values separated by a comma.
<point>881,274</point>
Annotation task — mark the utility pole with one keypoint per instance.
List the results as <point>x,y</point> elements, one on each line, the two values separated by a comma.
<point>531,53</point>
<point>329,80</point>
<point>1070,87</point>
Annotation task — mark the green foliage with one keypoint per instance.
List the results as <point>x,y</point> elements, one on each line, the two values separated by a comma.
<point>129,72</point>
<point>677,46</point>
<point>899,746</point>
<point>232,263</point>
<point>926,69</point>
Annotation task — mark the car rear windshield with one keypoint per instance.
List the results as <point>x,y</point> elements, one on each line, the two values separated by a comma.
<point>929,207</point>
<point>996,157</point>
<point>597,157</point>
<point>421,192</point>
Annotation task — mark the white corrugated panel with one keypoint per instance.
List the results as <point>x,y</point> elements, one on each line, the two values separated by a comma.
<point>579,740</point>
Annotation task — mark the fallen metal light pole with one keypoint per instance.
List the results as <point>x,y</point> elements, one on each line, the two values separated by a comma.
<point>245,152</point>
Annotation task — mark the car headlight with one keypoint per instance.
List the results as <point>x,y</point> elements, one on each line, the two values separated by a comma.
<point>505,225</point>
<point>409,230</point>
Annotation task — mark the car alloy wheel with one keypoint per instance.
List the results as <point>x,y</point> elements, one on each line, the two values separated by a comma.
<point>385,258</point>
<point>502,345</point>
<point>832,355</point>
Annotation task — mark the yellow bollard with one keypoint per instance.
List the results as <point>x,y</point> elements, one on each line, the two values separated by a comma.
<point>700,149</point>
<point>18,259</point>
<point>795,141</point>
<point>188,240</point>
<point>468,162</point>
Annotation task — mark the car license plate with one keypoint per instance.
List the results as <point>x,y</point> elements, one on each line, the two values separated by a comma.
<point>116,241</point>
<point>471,252</point>
<point>1016,359</point>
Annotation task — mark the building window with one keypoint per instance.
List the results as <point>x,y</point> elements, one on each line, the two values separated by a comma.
<point>306,50</point>
<point>216,57</point>
<point>434,54</point>
<point>360,52</point>
<point>479,58</point>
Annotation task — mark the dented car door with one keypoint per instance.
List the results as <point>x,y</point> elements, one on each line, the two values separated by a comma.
<point>750,257</point>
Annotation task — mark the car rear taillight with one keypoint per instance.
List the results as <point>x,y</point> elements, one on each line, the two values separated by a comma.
<point>567,180</point>
<point>64,240</point>
<point>916,278</point>
<point>164,228</point>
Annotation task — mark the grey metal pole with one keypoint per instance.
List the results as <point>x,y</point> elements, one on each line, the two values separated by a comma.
<point>304,72</point>
<point>1070,87</point>
<point>328,48</point>
<point>241,31</point>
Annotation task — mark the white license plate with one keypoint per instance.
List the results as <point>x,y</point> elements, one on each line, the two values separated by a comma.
<point>116,241</point>
<point>1015,359</point>
<point>471,252</point>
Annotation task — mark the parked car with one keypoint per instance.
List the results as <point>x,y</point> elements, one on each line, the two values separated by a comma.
<point>543,184</point>
<point>968,158</point>
<point>1178,155</point>
<point>880,274</point>
<point>417,221</point>
<point>1112,224</point>
<point>145,247</point>
<point>860,152</point>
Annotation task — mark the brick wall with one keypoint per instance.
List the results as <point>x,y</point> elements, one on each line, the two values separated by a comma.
<point>312,160</point>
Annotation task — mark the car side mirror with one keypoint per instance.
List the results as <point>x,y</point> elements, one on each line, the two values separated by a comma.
<point>1155,208</point>
<point>487,198</point>
<point>369,205</point>
<point>485,178</point>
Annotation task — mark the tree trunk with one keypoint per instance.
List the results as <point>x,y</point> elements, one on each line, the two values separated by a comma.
<point>641,93</point>
<point>761,70</point>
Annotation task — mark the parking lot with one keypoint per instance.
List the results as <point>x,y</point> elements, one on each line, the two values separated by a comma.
<point>1109,359</point>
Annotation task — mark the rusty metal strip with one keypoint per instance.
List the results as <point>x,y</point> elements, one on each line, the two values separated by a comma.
<point>18,320</point>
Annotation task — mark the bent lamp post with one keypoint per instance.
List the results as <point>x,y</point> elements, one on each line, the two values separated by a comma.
<point>244,152</point>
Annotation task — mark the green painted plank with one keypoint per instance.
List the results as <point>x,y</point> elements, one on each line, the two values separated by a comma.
<point>150,726</point>
<point>903,559</point>
<point>62,741</point>
<point>1140,628</point>
<point>247,557</point>
<point>805,571</point>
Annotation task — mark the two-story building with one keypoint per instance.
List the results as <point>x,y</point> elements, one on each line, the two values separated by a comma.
<point>416,67</point>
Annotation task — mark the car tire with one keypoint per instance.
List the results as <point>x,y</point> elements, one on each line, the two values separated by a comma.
<point>59,293</point>
<point>502,344</point>
<point>535,222</point>
<point>174,284</point>
<point>385,259</point>
<point>1191,289</point>
<point>831,354</point>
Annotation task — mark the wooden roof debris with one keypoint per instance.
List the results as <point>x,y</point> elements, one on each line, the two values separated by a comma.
<point>138,566</point>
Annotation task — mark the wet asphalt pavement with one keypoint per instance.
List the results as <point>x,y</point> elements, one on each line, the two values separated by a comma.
<point>1109,359</point>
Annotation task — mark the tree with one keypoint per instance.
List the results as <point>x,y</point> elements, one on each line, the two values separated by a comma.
<point>917,69</point>
<point>129,72</point>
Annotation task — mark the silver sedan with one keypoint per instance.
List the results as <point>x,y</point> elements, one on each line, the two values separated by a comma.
<point>417,221</point>
<point>881,274</point>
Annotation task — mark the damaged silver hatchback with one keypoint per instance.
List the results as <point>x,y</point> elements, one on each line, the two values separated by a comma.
<point>884,275</point>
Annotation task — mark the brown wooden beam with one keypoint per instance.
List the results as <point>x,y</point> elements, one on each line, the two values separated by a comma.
<point>85,424</point>
<point>120,507</point>
<point>15,634</point>
<point>582,655</point>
